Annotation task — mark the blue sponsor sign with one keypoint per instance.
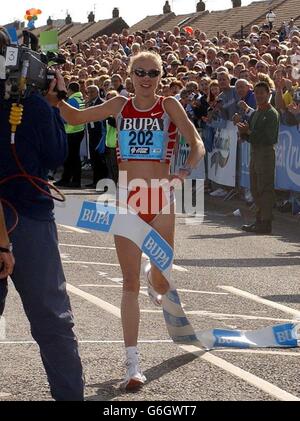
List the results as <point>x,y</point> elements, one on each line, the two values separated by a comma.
<point>158,250</point>
<point>96,217</point>
<point>229,339</point>
<point>287,160</point>
<point>284,335</point>
<point>12,32</point>
<point>244,150</point>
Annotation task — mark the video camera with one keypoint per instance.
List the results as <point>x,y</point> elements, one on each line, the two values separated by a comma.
<point>27,70</point>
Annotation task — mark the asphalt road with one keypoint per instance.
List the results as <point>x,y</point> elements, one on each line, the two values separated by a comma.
<point>216,264</point>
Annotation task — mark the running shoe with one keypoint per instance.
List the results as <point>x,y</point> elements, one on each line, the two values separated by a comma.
<point>153,295</point>
<point>134,378</point>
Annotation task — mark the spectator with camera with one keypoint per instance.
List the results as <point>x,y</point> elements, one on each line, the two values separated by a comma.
<point>40,142</point>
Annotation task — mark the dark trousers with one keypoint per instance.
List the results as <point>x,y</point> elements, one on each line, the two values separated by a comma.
<point>112,164</point>
<point>262,180</point>
<point>39,279</point>
<point>72,166</point>
<point>97,160</point>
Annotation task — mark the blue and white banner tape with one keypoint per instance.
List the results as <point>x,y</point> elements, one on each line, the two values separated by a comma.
<point>108,219</point>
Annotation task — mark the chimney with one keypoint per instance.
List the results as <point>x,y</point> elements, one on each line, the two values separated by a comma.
<point>68,19</point>
<point>115,13</point>
<point>91,17</point>
<point>167,8</point>
<point>200,6</point>
<point>49,21</point>
<point>236,3</point>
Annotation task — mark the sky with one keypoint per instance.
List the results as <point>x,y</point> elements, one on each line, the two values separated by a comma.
<point>131,11</point>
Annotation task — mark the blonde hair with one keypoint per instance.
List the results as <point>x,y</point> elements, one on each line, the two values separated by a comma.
<point>145,55</point>
<point>112,93</point>
<point>262,77</point>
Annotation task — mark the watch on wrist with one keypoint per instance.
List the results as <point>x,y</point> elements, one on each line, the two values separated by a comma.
<point>7,249</point>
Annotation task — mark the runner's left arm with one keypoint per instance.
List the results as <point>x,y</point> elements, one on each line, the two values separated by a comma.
<point>177,114</point>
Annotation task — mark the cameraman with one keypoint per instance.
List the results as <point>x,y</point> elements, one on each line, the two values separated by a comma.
<point>38,274</point>
<point>6,257</point>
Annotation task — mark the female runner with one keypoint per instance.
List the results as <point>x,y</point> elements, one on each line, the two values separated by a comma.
<point>150,121</point>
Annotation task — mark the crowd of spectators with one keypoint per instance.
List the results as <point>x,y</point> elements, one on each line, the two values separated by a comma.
<point>213,78</point>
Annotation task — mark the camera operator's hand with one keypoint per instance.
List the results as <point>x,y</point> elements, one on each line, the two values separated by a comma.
<point>57,85</point>
<point>7,263</point>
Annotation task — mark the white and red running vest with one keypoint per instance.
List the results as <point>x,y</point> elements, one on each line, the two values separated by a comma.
<point>145,135</point>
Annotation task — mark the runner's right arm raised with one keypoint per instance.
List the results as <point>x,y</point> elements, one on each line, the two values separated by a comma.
<point>98,113</point>
<point>74,116</point>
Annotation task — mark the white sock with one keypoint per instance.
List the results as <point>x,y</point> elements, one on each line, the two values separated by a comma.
<point>132,352</point>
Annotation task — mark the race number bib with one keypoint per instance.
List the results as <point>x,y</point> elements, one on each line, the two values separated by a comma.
<point>144,145</point>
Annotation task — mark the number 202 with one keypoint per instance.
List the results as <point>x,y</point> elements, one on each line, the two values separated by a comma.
<point>140,138</point>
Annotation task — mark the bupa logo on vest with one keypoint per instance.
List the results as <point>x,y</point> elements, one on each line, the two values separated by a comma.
<point>158,251</point>
<point>95,217</point>
<point>142,124</point>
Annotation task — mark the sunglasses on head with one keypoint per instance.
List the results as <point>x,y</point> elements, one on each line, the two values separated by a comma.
<point>153,73</point>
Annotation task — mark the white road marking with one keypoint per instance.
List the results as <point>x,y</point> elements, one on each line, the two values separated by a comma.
<point>86,247</point>
<point>102,274</point>
<point>4,395</point>
<point>168,341</point>
<point>226,315</point>
<point>258,351</point>
<point>255,381</point>
<point>74,229</point>
<point>99,286</point>
<point>95,300</point>
<point>119,280</point>
<point>192,291</point>
<point>142,341</point>
<point>76,262</point>
<point>65,256</point>
<point>260,300</point>
<point>175,267</point>
<point>119,286</point>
